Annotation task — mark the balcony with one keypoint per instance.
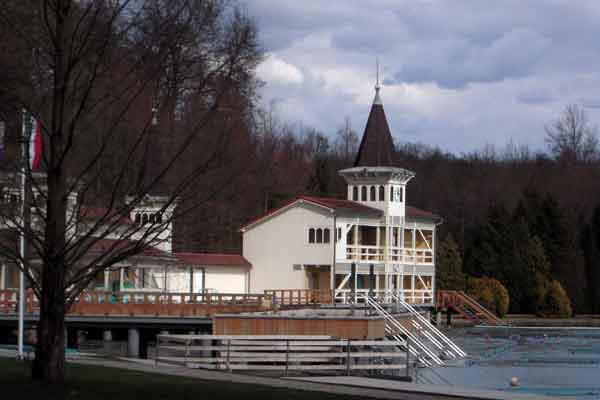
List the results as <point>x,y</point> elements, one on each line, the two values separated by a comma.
<point>398,255</point>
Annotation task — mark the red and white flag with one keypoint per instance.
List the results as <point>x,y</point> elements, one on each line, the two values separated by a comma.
<point>34,134</point>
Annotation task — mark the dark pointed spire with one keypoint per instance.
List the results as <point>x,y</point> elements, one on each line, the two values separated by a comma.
<point>376,147</point>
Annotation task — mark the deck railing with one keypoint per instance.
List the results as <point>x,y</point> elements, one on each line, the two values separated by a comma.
<point>411,296</point>
<point>398,255</point>
<point>293,297</point>
<point>146,303</point>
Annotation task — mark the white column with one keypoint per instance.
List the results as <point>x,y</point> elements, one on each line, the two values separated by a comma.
<point>106,280</point>
<point>133,343</point>
<point>121,276</point>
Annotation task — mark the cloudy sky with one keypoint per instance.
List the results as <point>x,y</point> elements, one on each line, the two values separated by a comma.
<point>458,74</point>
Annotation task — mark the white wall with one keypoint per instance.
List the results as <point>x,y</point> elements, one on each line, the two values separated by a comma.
<point>226,279</point>
<point>276,244</point>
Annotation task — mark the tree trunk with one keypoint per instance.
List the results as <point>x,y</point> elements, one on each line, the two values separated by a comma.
<point>49,363</point>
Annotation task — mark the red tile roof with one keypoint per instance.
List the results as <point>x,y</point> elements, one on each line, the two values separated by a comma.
<point>96,213</point>
<point>413,212</point>
<point>101,246</point>
<point>208,259</point>
<point>342,206</point>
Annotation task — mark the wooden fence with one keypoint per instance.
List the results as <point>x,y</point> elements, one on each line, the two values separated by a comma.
<point>281,353</point>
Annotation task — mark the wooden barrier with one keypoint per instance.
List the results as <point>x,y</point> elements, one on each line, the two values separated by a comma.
<point>146,303</point>
<point>301,297</point>
<point>282,353</point>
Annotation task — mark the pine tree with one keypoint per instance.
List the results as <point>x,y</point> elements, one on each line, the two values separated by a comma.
<point>449,266</point>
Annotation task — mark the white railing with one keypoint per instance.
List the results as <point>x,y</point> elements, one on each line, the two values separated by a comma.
<point>398,255</point>
<point>411,296</point>
<point>438,335</point>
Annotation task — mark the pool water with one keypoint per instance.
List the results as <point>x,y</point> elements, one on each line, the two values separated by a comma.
<point>555,361</point>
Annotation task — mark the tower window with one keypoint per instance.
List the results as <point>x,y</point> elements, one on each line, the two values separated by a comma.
<point>355,193</point>
<point>319,235</point>
<point>363,192</point>
<point>373,194</point>
<point>381,193</point>
<point>326,235</point>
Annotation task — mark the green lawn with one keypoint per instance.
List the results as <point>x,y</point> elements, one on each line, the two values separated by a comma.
<point>91,383</point>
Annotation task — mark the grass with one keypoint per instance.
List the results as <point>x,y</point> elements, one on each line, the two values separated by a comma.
<point>90,383</point>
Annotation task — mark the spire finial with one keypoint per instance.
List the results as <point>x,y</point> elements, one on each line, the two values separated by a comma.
<point>377,87</point>
<point>377,99</point>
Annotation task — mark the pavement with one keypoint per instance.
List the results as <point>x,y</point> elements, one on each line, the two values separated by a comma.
<point>342,385</point>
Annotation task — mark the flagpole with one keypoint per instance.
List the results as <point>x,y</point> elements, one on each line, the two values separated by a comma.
<point>20,353</point>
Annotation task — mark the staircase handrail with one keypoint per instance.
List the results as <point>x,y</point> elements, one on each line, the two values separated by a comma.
<point>402,329</point>
<point>482,309</point>
<point>428,324</point>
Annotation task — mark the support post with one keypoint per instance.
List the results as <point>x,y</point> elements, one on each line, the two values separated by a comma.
<point>133,342</point>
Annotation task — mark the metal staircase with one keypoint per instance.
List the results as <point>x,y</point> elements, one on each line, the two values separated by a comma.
<point>421,339</point>
<point>467,307</point>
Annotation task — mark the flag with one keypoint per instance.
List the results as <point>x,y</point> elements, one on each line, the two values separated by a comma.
<point>33,131</point>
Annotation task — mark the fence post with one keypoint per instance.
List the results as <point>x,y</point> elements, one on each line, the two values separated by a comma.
<point>228,352</point>
<point>287,356</point>
<point>348,358</point>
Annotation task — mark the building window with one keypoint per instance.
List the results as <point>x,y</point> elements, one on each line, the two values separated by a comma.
<point>381,193</point>
<point>400,194</point>
<point>391,193</point>
<point>363,192</point>
<point>138,218</point>
<point>159,218</point>
<point>339,234</point>
<point>144,219</point>
<point>319,235</point>
<point>355,193</point>
<point>152,218</point>
<point>373,193</point>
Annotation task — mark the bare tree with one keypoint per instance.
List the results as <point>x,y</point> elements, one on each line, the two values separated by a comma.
<point>346,141</point>
<point>134,98</point>
<point>571,138</point>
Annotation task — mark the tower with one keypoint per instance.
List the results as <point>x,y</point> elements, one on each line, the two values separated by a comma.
<point>374,180</point>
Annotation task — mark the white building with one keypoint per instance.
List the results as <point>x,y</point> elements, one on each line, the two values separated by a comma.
<point>313,243</point>
<point>155,268</point>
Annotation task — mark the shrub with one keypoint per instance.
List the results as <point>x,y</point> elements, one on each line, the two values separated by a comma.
<point>556,302</point>
<point>490,293</point>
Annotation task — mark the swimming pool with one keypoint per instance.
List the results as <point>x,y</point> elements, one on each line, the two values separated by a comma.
<point>547,361</point>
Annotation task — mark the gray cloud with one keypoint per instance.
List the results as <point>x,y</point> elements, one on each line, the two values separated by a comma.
<point>455,71</point>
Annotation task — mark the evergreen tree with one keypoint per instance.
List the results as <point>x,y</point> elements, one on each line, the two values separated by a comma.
<point>449,266</point>
<point>590,242</point>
